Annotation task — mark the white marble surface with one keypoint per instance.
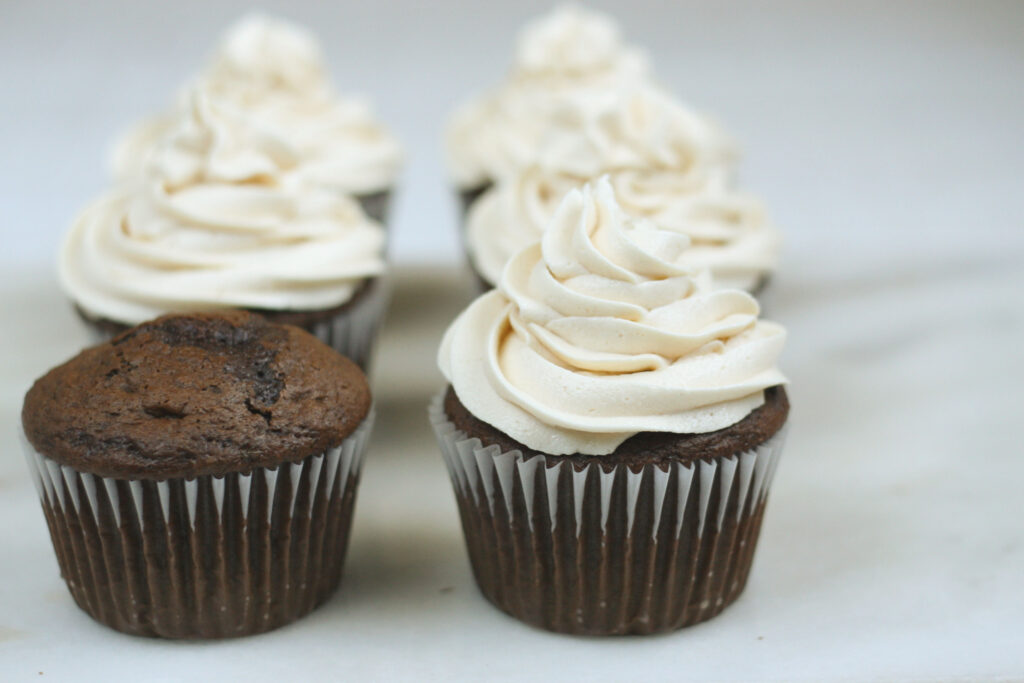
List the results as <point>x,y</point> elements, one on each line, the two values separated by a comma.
<point>889,140</point>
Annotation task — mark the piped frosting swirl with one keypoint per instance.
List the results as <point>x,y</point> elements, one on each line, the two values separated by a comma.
<point>599,332</point>
<point>571,57</point>
<point>272,74</point>
<point>223,217</point>
<point>729,231</point>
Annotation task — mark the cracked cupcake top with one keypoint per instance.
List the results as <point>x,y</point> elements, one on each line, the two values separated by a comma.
<point>194,395</point>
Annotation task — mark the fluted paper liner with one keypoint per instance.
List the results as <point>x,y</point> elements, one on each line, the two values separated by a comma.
<point>209,557</point>
<point>352,332</point>
<point>604,549</point>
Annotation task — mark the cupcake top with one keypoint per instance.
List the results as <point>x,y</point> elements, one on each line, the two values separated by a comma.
<point>223,217</point>
<point>193,395</point>
<point>570,57</point>
<point>729,232</point>
<point>600,332</point>
<point>271,75</point>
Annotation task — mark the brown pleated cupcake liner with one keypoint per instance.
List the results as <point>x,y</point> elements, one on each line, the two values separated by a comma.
<point>376,205</point>
<point>601,549</point>
<point>210,557</point>
<point>468,196</point>
<point>353,333</point>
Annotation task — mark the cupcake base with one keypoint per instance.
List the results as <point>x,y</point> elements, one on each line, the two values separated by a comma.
<point>608,546</point>
<point>350,329</point>
<point>211,557</point>
<point>469,195</point>
<point>376,205</point>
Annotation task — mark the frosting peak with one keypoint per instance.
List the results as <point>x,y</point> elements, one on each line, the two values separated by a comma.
<point>269,52</point>
<point>575,43</point>
<point>212,142</point>
<point>590,234</point>
<point>643,128</point>
<point>601,331</point>
<point>269,81</point>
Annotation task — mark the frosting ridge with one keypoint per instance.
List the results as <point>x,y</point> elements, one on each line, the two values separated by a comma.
<point>730,233</point>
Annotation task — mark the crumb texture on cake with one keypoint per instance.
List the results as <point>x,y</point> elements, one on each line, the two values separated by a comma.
<point>192,395</point>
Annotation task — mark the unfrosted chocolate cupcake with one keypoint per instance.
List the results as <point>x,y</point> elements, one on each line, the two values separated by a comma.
<point>198,473</point>
<point>611,428</point>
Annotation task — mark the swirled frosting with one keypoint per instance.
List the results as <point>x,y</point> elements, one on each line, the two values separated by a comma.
<point>272,74</point>
<point>643,127</point>
<point>729,232</point>
<point>571,57</point>
<point>223,217</point>
<point>598,333</point>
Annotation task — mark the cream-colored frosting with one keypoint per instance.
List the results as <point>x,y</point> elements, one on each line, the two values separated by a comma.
<point>642,127</point>
<point>272,74</point>
<point>598,333</point>
<point>223,217</point>
<point>730,233</point>
<point>571,57</point>
<point>574,43</point>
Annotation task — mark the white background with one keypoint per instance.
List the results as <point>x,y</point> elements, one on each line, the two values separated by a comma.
<point>888,139</point>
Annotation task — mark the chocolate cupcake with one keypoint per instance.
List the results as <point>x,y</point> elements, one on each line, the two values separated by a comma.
<point>271,75</point>
<point>222,218</point>
<point>571,57</point>
<point>198,473</point>
<point>612,427</point>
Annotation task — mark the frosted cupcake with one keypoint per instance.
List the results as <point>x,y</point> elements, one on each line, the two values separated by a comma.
<point>272,74</point>
<point>611,428</point>
<point>224,218</point>
<point>570,57</point>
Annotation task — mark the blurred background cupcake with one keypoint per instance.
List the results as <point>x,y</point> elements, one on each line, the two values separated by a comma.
<point>272,75</point>
<point>611,427</point>
<point>594,110</point>
<point>220,217</point>
<point>570,56</point>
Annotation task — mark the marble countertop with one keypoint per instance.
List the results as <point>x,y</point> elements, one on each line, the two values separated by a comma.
<point>886,138</point>
<point>891,550</point>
